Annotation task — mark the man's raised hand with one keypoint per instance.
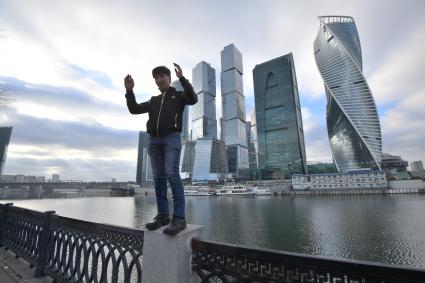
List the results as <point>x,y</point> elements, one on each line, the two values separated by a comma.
<point>179,72</point>
<point>128,83</point>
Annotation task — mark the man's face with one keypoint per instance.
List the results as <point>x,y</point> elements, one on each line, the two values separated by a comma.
<point>163,81</point>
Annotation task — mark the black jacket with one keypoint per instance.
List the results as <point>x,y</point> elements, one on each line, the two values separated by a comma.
<point>165,111</point>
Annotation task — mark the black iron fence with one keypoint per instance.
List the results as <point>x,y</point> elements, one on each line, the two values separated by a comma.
<point>71,250</point>
<point>218,262</point>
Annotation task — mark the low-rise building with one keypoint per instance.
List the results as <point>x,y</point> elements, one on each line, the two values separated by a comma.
<point>395,167</point>
<point>21,179</point>
<point>416,166</point>
<point>357,179</point>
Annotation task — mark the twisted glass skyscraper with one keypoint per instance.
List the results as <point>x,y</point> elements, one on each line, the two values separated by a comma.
<point>352,119</point>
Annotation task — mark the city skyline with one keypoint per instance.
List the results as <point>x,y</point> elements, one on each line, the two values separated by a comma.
<point>69,114</point>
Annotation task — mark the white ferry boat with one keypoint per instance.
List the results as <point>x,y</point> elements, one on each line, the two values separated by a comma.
<point>262,192</point>
<point>237,190</point>
<point>198,191</point>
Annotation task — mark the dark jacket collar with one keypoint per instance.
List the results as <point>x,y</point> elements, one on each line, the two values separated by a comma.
<point>169,90</point>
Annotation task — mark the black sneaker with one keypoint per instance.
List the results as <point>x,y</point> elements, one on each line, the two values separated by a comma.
<point>177,224</point>
<point>159,221</point>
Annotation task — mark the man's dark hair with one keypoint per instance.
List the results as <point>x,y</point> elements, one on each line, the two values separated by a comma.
<point>161,70</point>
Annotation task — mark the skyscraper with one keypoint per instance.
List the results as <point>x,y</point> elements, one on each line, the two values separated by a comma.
<point>5,133</point>
<point>210,163</point>
<point>252,144</point>
<point>280,135</point>
<point>144,176</point>
<point>233,106</point>
<point>352,119</point>
<point>204,121</point>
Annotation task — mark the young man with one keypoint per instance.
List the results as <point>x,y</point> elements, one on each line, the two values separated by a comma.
<point>164,127</point>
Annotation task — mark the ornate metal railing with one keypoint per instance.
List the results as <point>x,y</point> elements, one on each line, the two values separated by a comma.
<point>71,250</point>
<point>217,262</point>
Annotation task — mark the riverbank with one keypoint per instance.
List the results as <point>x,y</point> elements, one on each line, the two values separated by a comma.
<point>352,192</point>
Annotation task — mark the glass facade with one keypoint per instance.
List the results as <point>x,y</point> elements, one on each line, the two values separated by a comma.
<point>279,129</point>
<point>187,159</point>
<point>352,119</point>
<point>144,176</point>
<point>252,144</point>
<point>204,122</point>
<point>233,128</point>
<point>210,164</point>
<point>209,152</point>
<point>5,133</point>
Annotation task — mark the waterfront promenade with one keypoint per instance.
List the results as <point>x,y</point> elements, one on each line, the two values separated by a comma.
<point>16,270</point>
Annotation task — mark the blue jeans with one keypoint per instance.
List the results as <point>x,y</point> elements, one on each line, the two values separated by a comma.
<point>164,154</point>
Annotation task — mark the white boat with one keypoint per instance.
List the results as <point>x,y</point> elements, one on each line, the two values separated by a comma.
<point>237,190</point>
<point>198,191</point>
<point>262,192</point>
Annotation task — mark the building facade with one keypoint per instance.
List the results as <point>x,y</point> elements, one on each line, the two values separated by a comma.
<point>416,166</point>
<point>22,179</point>
<point>210,164</point>
<point>55,178</point>
<point>5,133</point>
<point>187,159</point>
<point>280,135</point>
<point>233,128</point>
<point>395,167</point>
<point>144,176</point>
<point>352,119</point>
<point>252,144</point>
<point>204,121</point>
<point>358,179</point>
<point>320,167</point>
<point>207,163</point>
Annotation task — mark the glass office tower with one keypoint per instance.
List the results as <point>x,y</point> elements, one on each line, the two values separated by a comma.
<point>233,107</point>
<point>204,121</point>
<point>209,163</point>
<point>144,176</point>
<point>280,135</point>
<point>352,119</point>
<point>5,133</point>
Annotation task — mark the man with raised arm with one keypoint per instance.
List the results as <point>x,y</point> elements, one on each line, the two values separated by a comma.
<point>164,127</point>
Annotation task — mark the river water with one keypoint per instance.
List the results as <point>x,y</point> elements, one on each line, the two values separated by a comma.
<point>381,228</point>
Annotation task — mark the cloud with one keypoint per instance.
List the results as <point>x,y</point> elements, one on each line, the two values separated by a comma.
<point>401,73</point>
<point>42,146</point>
<point>70,104</point>
<point>402,127</point>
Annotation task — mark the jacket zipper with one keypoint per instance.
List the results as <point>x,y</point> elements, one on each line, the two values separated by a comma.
<point>175,121</point>
<point>159,115</point>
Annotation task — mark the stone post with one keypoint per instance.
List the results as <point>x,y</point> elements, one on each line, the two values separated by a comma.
<point>168,259</point>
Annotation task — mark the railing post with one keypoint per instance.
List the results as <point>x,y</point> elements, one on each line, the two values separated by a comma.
<point>168,259</point>
<point>43,243</point>
<point>3,222</point>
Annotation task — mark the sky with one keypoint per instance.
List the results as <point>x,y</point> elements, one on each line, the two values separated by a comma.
<point>63,64</point>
